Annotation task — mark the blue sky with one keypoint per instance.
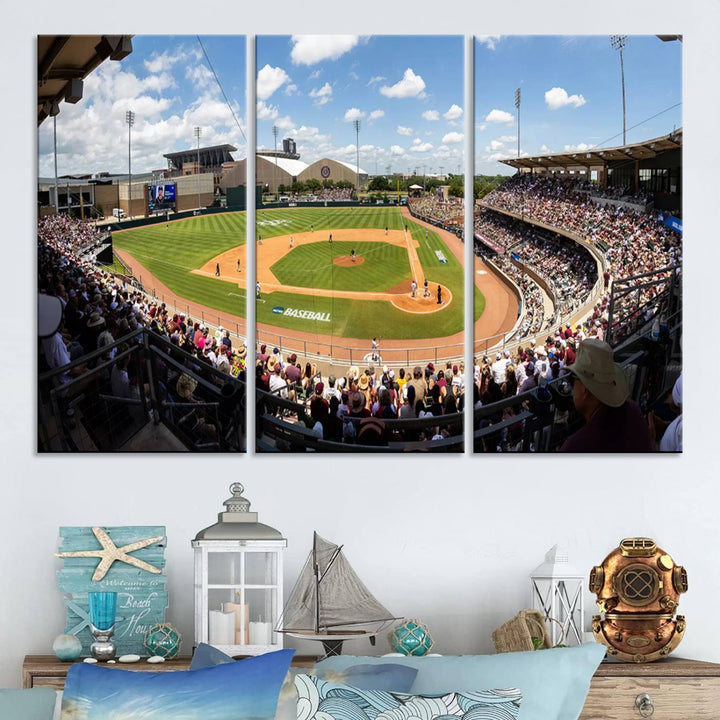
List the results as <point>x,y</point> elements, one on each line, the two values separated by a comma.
<point>407,93</point>
<point>169,85</point>
<point>571,93</point>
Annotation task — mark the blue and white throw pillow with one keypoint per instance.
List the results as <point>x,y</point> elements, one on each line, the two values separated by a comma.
<point>243,690</point>
<point>322,700</point>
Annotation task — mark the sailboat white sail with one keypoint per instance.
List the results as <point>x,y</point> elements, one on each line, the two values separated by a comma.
<point>329,601</point>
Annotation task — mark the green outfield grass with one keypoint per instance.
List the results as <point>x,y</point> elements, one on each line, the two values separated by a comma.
<point>384,266</point>
<point>172,253</point>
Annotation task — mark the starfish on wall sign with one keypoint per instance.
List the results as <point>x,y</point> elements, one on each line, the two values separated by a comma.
<point>110,553</point>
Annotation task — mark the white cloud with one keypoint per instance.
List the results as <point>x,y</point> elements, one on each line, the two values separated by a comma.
<point>366,148</point>
<point>315,74</point>
<point>420,146</point>
<point>402,130</point>
<point>544,149</point>
<point>481,128</point>
<point>353,75</point>
<point>161,63</point>
<point>375,114</point>
<point>431,115</point>
<point>322,95</point>
<point>269,79</point>
<point>499,116</point>
<point>490,41</point>
<point>346,150</point>
<point>453,113</point>
<point>285,122</point>
<point>453,137</point>
<point>311,49</point>
<point>557,98</point>
<point>411,85</point>
<point>353,114</point>
<point>309,134</point>
<point>507,138</point>
<point>291,89</point>
<point>265,111</point>
<point>396,150</point>
<point>581,147</point>
<point>495,145</point>
<point>376,79</point>
<point>497,156</point>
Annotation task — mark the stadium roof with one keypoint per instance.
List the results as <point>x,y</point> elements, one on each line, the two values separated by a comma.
<point>595,157</point>
<point>354,168</point>
<point>192,152</point>
<point>291,167</point>
<point>64,61</point>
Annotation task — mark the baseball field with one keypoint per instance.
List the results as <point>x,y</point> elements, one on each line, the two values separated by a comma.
<point>346,273</point>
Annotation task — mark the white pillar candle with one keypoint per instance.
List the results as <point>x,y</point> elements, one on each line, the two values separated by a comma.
<point>222,628</point>
<point>241,613</point>
<point>260,633</point>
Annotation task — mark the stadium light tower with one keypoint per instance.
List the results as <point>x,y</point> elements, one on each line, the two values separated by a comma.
<point>618,43</point>
<point>130,120</point>
<point>517,105</point>
<point>356,124</point>
<point>197,135</point>
<point>275,131</point>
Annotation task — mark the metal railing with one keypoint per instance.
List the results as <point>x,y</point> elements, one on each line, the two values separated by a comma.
<point>281,427</point>
<point>86,405</point>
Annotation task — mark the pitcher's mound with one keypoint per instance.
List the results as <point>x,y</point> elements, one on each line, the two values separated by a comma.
<point>346,260</point>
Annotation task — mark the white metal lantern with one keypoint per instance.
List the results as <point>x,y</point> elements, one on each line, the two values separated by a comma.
<point>557,591</point>
<point>238,581</point>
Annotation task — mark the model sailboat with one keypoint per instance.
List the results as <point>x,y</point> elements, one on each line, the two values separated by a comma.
<point>330,603</point>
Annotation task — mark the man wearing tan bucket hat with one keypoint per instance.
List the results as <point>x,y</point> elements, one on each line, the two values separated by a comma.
<point>613,421</point>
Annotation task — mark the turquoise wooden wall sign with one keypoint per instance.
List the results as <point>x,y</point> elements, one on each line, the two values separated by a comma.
<point>126,560</point>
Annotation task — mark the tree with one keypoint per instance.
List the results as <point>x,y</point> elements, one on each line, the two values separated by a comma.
<point>379,182</point>
<point>313,184</point>
<point>328,184</point>
<point>297,187</point>
<point>281,188</point>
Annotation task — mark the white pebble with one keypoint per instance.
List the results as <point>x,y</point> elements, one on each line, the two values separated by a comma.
<point>128,658</point>
<point>90,661</point>
<point>156,659</point>
<point>110,662</point>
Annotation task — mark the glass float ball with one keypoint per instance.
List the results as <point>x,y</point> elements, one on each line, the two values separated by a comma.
<point>411,638</point>
<point>67,648</point>
<point>162,639</point>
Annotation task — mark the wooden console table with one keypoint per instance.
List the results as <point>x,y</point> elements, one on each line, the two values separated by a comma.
<point>48,671</point>
<point>676,689</point>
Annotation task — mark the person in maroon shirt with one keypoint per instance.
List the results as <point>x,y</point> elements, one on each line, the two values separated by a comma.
<point>613,422</point>
<point>570,353</point>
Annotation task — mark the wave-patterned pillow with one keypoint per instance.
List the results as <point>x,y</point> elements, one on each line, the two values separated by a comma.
<point>322,700</point>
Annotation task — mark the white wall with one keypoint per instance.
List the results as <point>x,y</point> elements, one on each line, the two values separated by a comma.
<point>448,540</point>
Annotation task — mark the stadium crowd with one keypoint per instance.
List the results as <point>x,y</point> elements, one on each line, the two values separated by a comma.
<point>354,408</point>
<point>445,212</point>
<point>333,194</point>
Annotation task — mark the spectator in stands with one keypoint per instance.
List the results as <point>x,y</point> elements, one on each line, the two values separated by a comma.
<point>613,422</point>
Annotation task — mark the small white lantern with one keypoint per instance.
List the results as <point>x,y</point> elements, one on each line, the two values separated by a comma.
<point>238,581</point>
<point>557,591</point>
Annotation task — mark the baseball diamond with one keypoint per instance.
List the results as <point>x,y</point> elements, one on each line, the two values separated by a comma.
<point>344,291</point>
